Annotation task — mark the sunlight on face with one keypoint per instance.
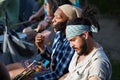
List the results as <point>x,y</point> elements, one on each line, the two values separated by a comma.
<point>59,17</point>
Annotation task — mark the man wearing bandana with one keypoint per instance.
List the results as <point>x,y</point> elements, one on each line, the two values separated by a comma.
<point>89,61</point>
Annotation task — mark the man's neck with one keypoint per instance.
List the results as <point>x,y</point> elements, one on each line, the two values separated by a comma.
<point>80,58</point>
<point>63,33</point>
<point>91,45</point>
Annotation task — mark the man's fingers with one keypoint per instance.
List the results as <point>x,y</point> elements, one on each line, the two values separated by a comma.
<point>39,38</point>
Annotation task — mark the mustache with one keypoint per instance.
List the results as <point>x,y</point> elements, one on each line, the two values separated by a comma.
<point>82,48</point>
<point>74,47</point>
<point>60,26</point>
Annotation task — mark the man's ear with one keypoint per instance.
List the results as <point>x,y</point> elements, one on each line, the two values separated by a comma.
<point>85,35</point>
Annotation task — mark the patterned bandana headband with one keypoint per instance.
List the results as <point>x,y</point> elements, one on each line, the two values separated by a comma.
<point>75,30</point>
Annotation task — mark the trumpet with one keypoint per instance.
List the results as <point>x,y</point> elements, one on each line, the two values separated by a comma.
<point>30,70</point>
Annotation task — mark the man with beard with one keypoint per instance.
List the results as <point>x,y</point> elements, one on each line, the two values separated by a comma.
<point>60,53</point>
<point>89,61</point>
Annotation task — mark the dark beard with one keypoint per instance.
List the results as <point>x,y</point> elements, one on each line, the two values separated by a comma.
<point>60,26</point>
<point>83,48</point>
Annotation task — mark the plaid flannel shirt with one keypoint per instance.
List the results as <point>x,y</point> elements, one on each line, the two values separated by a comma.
<point>61,56</point>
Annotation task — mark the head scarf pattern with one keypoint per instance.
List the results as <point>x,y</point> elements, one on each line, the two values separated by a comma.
<point>76,30</point>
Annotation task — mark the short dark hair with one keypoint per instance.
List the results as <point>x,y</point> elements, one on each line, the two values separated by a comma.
<point>89,12</point>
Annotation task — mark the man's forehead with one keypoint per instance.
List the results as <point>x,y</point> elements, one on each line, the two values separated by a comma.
<point>71,38</point>
<point>74,38</point>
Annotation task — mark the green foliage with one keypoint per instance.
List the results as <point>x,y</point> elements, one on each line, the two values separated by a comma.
<point>40,2</point>
<point>109,7</point>
<point>106,7</point>
<point>115,70</point>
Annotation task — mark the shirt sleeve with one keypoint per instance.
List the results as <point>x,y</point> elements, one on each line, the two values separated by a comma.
<point>100,69</point>
<point>46,54</point>
<point>61,66</point>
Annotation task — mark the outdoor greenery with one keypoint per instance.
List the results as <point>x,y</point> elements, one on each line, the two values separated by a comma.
<point>115,70</point>
<point>106,7</point>
<point>110,7</point>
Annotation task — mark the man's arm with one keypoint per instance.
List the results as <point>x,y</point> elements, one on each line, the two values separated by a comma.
<point>62,65</point>
<point>39,42</point>
<point>93,78</point>
<point>100,70</point>
<point>63,77</point>
<point>36,16</point>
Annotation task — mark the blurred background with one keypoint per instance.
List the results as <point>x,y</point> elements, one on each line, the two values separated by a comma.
<point>109,20</point>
